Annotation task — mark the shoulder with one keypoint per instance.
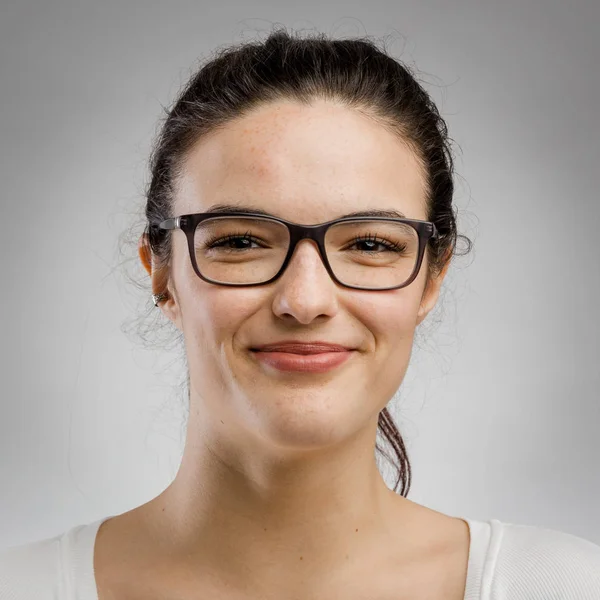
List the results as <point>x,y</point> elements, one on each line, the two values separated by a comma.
<point>536,562</point>
<point>31,571</point>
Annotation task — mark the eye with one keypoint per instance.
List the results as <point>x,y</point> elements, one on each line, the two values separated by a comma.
<point>390,246</point>
<point>231,239</point>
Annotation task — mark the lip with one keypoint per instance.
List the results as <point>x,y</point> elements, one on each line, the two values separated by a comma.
<point>296,347</point>
<point>306,363</point>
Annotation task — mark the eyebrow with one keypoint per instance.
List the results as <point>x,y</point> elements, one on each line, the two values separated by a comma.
<point>246,209</point>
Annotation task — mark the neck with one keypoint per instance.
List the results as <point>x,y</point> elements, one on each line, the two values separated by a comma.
<point>278,524</point>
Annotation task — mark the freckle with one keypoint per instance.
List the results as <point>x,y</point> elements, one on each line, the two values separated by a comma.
<point>301,558</point>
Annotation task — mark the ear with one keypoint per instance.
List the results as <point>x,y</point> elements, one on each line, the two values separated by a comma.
<point>432,292</point>
<point>160,282</point>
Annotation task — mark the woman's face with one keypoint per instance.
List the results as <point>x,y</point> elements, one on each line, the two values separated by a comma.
<point>306,165</point>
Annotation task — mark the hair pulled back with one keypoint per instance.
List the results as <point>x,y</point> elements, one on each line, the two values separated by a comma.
<point>354,72</point>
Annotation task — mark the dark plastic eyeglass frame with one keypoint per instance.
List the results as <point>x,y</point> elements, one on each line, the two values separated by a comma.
<point>426,230</point>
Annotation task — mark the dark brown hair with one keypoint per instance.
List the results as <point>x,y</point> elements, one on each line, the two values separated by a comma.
<point>286,66</point>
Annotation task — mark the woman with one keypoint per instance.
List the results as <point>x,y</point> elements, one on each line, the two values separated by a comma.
<point>299,227</point>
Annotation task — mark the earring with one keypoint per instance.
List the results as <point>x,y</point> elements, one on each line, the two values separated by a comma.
<point>158,297</point>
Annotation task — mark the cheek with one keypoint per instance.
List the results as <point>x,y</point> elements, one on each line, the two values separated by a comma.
<point>390,319</point>
<point>391,316</point>
<point>213,315</point>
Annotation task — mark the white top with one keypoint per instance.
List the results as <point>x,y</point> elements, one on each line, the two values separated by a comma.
<point>506,562</point>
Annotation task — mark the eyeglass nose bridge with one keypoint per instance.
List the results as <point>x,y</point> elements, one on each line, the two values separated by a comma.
<point>299,233</point>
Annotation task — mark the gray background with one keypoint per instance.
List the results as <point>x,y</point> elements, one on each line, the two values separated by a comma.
<point>500,407</point>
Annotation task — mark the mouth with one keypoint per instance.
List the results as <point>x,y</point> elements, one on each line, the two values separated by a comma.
<point>303,348</point>
<point>302,352</point>
<point>303,362</point>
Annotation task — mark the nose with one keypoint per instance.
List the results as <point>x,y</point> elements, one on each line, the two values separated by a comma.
<point>305,289</point>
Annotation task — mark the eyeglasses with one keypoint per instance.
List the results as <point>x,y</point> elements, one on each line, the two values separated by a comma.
<point>250,249</point>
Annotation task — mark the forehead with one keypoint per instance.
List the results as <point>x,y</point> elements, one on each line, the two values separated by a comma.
<point>305,163</point>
